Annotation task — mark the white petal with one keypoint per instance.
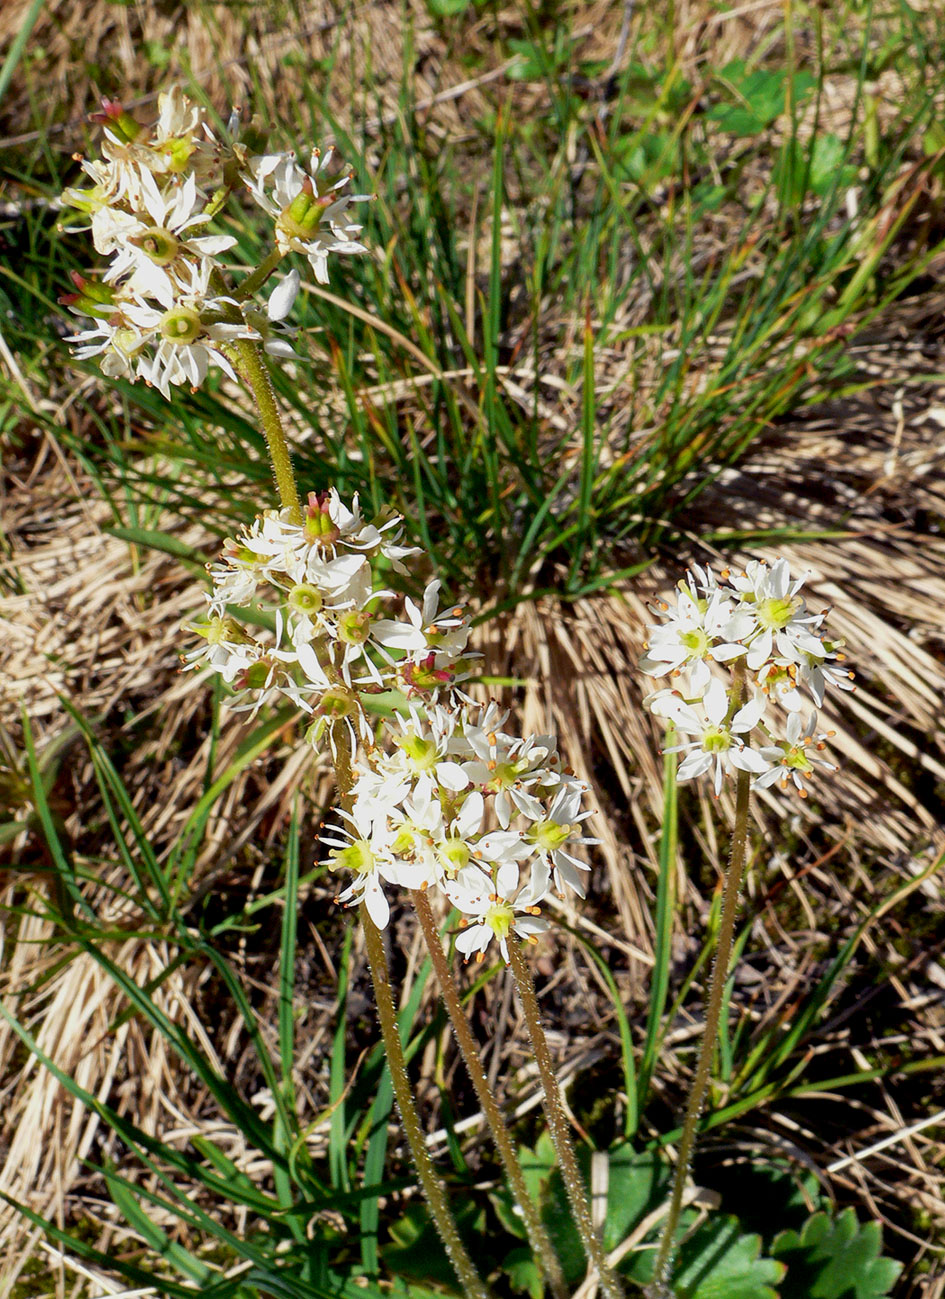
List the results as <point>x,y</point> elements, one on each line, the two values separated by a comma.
<point>377,905</point>
<point>282,298</point>
<point>451,776</point>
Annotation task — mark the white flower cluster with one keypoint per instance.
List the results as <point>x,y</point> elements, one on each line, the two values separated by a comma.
<point>162,309</point>
<point>449,799</point>
<point>756,618</point>
<point>328,643</point>
<point>489,819</point>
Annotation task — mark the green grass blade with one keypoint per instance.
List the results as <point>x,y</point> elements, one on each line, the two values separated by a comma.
<point>665,911</point>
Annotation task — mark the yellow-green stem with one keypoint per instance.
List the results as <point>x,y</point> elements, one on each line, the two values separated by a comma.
<point>659,1287</point>
<point>253,369</point>
<point>432,1186</point>
<point>542,1248</point>
<point>257,278</point>
<point>558,1123</point>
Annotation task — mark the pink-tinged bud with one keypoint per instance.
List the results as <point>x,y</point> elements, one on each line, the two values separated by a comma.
<point>95,298</point>
<point>319,525</point>
<point>425,675</point>
<point>117,120</point>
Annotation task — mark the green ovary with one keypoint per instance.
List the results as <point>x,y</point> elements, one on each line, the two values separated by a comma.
<point>180,325</point>
<point>357,857</point>
<point>159,244</point>
<point>420,752</point>
<point>305,598</point>
<point>499,918</point>
<point>354,628</point>
<point>696,642</point>
<point>454,854</point>
<point>775,614</point>
<point>505,774</point>
<point>548,835</point>
<point>795,759</point>
<point>302,216</point>
<point>716,741</point>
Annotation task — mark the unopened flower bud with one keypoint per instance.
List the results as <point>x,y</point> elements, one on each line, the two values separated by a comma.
<point>117,120</point>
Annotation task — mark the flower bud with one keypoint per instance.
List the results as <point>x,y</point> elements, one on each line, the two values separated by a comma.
<point>117,120</point>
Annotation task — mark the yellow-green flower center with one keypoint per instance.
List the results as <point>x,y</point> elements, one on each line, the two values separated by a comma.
<point>336,703</point>
<point>180,325</point>
<point>548,835</point>
<point>454,854</point>
<point>775,613</point>
<point>357,857</point>
<point>716,740</point>
<point>420,753</point>
<point>796,759</point>
<point>696,642</point>
<point>505,774</point>
<point>354,628</point>
<point>302,216</point>
<point>159,244</point>
<point>500,918</point>
<point>307,599</point>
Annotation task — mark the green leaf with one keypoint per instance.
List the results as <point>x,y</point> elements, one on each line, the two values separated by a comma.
<point>416,1251</point>
<point>760,97</point>
<point>827,167</point>
<point>716,1262</point>
<point>835,1258</point>
<point>525,1276</point>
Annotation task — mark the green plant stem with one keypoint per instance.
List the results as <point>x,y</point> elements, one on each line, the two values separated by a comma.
<point>432,1187</point>
<point>538,1238</point>
<point>558,1123</point>
<point>700,1081</point>
<point>252,367</point>
<point>257,278</point>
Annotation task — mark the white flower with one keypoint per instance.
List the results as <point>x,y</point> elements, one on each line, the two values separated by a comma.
<point>718,742</point>
<point>817,671</point>
<point>425,753</point>
<point>694,631</point>
<point>559,831</point>
<point>309,211</point>
<point>365,850</point>
<point>498,907</point>
<point>426,628</point>
<point>228,649</point>
<point>269,325</point>
<point>796,757</point>
<point>514,770</point>
<point>152,253</point>
<point>772,618</point>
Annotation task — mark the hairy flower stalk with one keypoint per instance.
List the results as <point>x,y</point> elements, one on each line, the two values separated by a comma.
<point>700,1082</point>
<point>558,1125</point>
<point>538,1238</point>
<point>252,367</point>
<point>429,1180</point>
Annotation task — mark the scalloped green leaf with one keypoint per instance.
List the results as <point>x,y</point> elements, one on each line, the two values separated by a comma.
<point>835,1258</point>
<point>718,1262</point>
